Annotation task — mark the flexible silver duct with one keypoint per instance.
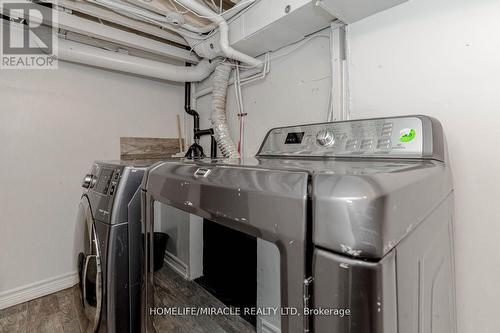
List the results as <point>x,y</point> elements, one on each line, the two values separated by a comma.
<point>218,116</point>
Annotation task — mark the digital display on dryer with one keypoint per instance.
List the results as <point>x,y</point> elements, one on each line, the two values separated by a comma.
<point>294,138</point>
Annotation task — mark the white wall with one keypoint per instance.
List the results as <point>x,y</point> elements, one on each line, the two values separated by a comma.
<point>53,124</point>
<point>442,58</point>
<point>295,92</point>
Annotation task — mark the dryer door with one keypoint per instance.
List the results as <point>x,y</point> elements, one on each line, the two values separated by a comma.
<point>91,273</point>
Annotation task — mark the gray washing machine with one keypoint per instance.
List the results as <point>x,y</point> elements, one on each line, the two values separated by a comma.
<point>110,265</point>
<point>360,213</point>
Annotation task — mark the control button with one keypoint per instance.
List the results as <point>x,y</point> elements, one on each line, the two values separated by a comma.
<point>384,144</point>
<point>87,181</point>
<point>341,137</point>
<point>351,144</point>
<point>386,129</point>
<point>366,144</point>
<point>112,190</point>
<point>325,137</point>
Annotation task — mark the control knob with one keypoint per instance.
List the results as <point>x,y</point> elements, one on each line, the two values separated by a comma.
<point>87,180</point>
<point>325,137</point>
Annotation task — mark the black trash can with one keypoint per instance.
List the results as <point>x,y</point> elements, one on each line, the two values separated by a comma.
<point>160,245</point>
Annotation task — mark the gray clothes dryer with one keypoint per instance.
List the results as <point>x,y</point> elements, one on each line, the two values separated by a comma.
<point>361,212</point>
<point>110,264</point>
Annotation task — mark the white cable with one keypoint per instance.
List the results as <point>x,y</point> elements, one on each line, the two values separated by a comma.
<point>211,4</point>
<point>239,99</point>
<point>239,4</point>
<point>243,130</point>
<point>238,107</point>
<point>298,45</point>
<point>144,15</point>
<point>175,7</point>
<point>157,19</point>
<point>330,115</point>
<point>258,76</point>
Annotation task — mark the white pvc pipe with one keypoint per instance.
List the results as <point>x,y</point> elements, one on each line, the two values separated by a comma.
<point>226,49</point>
<point>227,15</point>
<point>94,56</point>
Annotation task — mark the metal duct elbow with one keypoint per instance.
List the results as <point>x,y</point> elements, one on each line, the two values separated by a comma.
<point>218,116</point>
<point>89,55</point>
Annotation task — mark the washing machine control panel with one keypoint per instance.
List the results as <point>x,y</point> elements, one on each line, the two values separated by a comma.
<point>102,189</point>
<point>398,137</point>
<point>107,180</point>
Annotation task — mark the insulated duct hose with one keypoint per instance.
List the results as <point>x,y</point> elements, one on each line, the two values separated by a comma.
<point>218,116</point>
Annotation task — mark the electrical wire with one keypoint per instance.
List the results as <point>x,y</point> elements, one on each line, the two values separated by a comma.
<point>211,4</point>
<point>298,45</point>
<point>241,110</point>
<point>238,82</point>
<point>148,18</point>
<point>239,4</point>
<point>160,20</point>
<point>175,7</point>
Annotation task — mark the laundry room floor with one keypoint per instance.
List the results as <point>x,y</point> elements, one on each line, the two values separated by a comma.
<point>55,313</point>
<point>172,290</point>
<point>62,312</point>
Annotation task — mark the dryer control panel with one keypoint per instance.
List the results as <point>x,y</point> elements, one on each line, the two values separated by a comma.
<point>397,137</point>
<point>107,180</point>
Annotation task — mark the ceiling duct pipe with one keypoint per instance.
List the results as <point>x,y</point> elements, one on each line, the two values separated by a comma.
<point>218,116</point>
<point>94,56</point>
<point>227,50</point>
<point>227,15</point>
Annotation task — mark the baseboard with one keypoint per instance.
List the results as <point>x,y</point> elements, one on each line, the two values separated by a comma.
<point>38,289</point>
<point>176,264</point>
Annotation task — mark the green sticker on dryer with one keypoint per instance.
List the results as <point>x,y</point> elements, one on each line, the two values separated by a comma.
<point>407,134</point>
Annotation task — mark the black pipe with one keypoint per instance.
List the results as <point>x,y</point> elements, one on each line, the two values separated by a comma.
<point>213,147</point>
<point>199,132</point>
<point>187,106</point>
<point>196,150</point>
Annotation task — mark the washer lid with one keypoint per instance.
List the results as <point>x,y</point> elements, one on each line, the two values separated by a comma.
<point>366,214</point>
